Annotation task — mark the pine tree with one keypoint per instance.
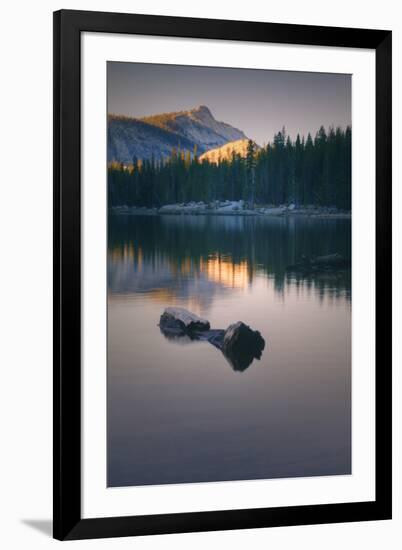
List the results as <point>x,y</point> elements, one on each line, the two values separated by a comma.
<point>250,163</point>
<point>305,171</point>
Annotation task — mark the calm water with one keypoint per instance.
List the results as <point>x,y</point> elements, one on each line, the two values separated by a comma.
<point>177,411</point>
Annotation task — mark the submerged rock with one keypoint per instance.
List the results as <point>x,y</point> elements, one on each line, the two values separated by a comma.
<point>183,320</point>
<point>241,345</point>
<point>333,260</point>
<point>239,337</point>
<point>238,343</point>
<point>329,262</point>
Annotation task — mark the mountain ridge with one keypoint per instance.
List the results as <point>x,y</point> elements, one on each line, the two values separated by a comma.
<point>156,135</point>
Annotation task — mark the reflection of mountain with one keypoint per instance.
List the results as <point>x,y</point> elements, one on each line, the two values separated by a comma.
<point>129,273</point>
<point>160,279</point>
<point>183,257</point>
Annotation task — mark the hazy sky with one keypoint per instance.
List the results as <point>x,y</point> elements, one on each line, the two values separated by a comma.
<point>259,102</point>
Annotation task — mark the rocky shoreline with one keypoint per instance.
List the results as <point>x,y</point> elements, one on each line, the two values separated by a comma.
<point>233,208</point>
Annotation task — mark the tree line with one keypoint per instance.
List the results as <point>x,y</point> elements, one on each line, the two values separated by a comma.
<point>311,171</point>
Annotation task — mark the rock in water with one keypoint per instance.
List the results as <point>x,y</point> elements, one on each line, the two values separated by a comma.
<point>331,260</point>
<point>240,336</point>
<point>241,345</point>
<point>320,263</point>
<point>180,320</point>
<point>238,343</point>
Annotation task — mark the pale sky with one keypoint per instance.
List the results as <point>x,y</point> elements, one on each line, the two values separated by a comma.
<point>259,102</point>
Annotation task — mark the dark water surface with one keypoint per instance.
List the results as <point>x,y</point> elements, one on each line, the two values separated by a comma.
<point>177,410</point>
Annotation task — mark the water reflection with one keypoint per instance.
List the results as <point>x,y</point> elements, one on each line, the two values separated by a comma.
<point>194,257</point>
<point>239,358</point>
<point>242,360</point>
<point>176,412</point>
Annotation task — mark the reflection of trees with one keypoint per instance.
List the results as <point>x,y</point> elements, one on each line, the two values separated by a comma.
<point>229,250</point>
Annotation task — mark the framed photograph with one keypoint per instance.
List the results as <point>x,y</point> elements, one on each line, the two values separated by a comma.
<point>222,275</point>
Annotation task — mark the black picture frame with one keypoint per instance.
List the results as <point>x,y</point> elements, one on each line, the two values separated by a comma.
<point>68,26</point>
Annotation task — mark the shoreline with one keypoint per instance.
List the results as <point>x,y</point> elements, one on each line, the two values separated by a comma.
<point>232,209</point>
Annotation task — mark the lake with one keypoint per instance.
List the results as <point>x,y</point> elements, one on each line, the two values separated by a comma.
<point>178,412</point>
